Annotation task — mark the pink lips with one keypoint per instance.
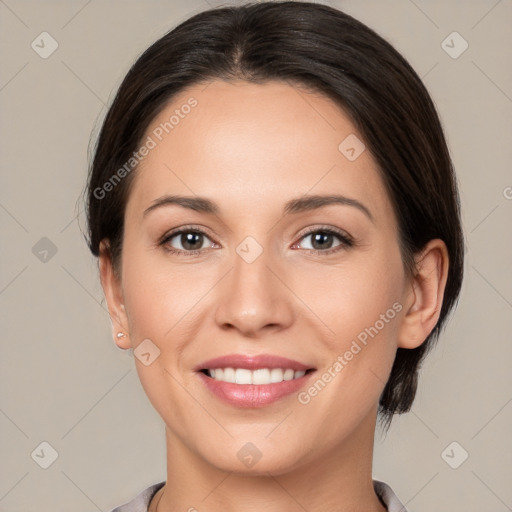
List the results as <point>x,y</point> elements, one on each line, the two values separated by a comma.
<point>252,362</point>
<point>252,395</point>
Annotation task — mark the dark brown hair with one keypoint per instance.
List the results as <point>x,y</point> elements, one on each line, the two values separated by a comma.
<point>325,50</point>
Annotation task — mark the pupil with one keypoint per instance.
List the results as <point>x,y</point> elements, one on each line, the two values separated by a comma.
<point>189,239</point>
<point>320,239</point>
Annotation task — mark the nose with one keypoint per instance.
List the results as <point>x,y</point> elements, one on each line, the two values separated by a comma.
<point>253,299</point>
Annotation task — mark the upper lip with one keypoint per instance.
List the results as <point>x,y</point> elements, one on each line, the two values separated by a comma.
<point>252,362</point>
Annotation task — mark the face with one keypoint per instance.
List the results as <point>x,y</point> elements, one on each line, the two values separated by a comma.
<point>283,245</point>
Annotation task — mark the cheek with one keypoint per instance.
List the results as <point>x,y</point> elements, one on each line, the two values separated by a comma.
<point>352,296</point>
<point>358,303</point>
<point>159,302</point>
<point>158,294</point>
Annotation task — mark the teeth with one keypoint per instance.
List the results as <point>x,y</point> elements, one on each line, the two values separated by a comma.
<point>259,376</point>
<point>229,375</point>
<point>243,376</point>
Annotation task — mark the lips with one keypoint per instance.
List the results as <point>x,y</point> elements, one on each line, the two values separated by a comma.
<point>252,363</point>
<point>252,395</point>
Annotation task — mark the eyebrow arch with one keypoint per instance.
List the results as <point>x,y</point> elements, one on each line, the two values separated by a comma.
<point>199,204</point>
<point>312,202</point>
<point>301,204</point>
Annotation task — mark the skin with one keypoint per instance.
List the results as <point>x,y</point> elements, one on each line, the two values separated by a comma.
<point>250,148</point>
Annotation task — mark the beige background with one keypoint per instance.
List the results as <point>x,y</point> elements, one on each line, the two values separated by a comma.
<point>64,382</point>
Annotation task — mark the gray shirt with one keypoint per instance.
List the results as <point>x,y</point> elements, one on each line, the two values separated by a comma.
<point>141,502</point>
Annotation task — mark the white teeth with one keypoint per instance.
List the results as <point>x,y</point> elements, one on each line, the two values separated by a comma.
<point>276,375</point>
<point>259,376</point>
<point>243,376</point>
<point>229,375</point>
<point>290,374</point>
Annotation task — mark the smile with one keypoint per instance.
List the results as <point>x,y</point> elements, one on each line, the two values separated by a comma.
<point>257,377</point>
<point>253,381</point>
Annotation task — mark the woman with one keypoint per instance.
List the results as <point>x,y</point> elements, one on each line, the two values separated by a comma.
<point>277,223</point>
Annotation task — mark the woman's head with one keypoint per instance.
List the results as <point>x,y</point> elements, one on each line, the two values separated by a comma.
<point>268,111</point>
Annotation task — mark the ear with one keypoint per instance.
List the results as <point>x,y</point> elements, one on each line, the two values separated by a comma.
<point>112,289</point>
<point>424,296</point>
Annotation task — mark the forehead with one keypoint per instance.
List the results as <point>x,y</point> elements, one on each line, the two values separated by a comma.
<point>255,144</point>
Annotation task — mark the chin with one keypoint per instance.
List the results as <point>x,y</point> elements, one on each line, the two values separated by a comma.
<point>255,458</point>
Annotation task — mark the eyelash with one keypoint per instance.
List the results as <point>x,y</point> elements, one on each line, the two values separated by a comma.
<point>345,239</point>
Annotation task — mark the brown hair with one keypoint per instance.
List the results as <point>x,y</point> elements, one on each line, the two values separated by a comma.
<point>325,50</point>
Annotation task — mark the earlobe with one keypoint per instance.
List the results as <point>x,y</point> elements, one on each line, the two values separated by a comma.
<point>111,285</point>
<point>424,296</point>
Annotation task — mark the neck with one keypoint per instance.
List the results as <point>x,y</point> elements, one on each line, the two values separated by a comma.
<point>339,480</point>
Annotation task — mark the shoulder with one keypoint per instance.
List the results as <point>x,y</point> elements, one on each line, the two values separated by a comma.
<point>141,502</point>
<point>388,497</point>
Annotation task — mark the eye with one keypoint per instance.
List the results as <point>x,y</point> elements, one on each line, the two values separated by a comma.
<point>325,240</point>
<point>189,242</point>
<point>186,241</point>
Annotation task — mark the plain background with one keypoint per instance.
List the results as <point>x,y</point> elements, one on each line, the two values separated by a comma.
<point>63,380</point>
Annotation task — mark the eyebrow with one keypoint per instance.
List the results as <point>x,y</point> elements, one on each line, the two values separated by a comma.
<point>298,205</point>
<point>312,202</point>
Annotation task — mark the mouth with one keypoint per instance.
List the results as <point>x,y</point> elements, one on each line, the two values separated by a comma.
<point>253,381</point>
<point>258,377</point>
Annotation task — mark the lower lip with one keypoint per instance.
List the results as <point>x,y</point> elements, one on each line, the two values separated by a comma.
<point>252,395</point>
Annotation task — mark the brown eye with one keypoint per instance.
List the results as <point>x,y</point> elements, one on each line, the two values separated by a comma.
<point>186,241</point>
<point>323,240</point>
<point>191,241</point>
